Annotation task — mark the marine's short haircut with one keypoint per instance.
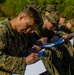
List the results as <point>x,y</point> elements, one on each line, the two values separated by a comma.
<point>31,12</point>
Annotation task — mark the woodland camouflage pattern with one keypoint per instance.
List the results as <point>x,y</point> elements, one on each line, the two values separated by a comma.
<point>11,45</point>
<point>14,49</point>
<point>62,54</point>
<point>50,8</point>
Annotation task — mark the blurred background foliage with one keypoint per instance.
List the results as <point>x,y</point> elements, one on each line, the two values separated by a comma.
<point>10,8</point>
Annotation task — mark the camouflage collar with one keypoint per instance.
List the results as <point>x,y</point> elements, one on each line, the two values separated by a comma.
<point>7,23</point>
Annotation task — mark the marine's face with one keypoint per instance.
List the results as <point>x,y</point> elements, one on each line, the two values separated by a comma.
<point>68,25</point>
<point>47,13</point>
<point>61,20</point>
<point>26,25</point>
<point>48,24</point>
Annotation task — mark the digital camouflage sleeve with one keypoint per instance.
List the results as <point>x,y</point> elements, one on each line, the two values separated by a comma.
<point>14,49</point>
<point>9,61</point>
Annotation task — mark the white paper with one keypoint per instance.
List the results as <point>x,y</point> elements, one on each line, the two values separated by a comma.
<point>71,41</point>
<point>35,69</point>
<point>42,50</point>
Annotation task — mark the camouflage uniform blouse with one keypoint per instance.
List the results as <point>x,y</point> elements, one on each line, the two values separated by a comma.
<point>12,50</point>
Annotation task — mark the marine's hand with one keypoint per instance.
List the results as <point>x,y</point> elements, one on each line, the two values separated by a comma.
<point>42,41</point>
<point>65,36</point>
<point>35,49</point>
<point>68,36</point>
<point>33,57</point>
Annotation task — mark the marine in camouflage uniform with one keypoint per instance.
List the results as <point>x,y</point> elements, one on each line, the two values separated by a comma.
<point>68,57</point>
<point>61,21</point>
<point>14,50</point>
<point>71,51</point>
<point>10,41</point>
<point>60,53</point>
<point>50,8</point>
<point>41,32</point>
<point>12,47</point>
<point>44,32</point>
<point>72,23</point>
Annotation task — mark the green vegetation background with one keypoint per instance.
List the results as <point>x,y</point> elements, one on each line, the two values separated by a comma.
<point>10,8</point>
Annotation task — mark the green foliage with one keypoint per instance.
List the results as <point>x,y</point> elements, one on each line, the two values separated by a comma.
<point>11,8</point>
<point>69,2</point>
<point>69,11</point>
<point>2,1</point>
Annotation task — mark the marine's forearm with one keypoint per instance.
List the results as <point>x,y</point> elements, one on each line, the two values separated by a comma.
<point>12,64</point>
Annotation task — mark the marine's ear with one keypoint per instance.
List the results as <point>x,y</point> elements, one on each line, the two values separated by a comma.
<point>21,16</point>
